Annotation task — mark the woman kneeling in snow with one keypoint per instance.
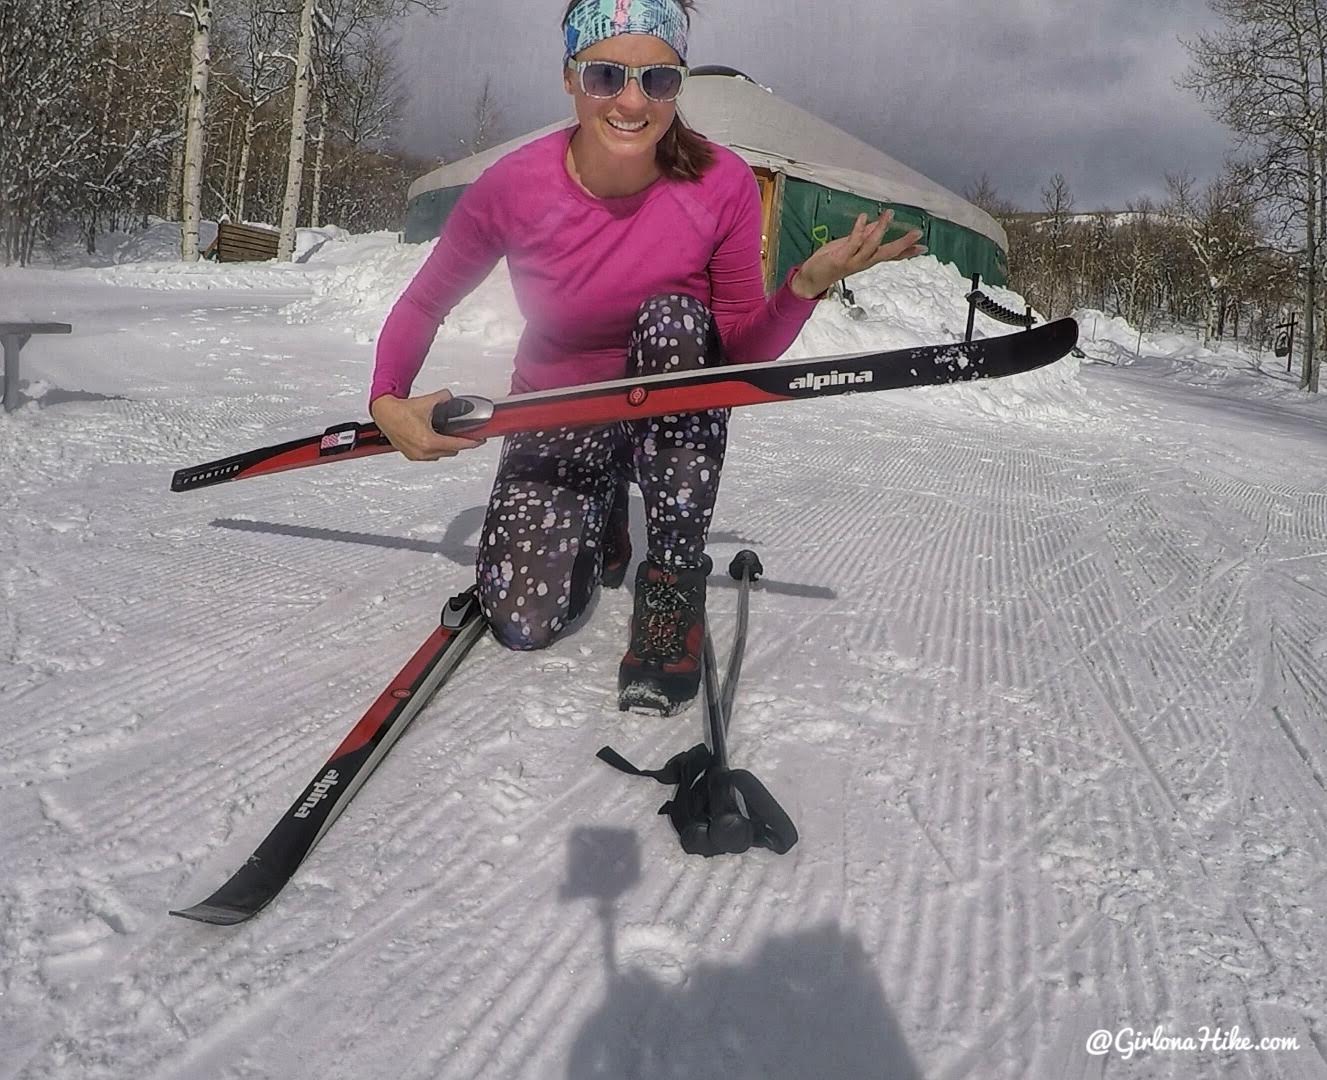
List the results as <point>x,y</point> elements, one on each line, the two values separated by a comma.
<point>633,245</point>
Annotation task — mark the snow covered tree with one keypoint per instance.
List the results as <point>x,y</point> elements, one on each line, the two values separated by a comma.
<point>1137,282</point>
<point>175,179</point>
<point>1264,75</point>
<point>337,24</point>
<point>44,124</point>
<point>255,40</point>
<point>1097,260</point>
<point>1218,226</point>
<point>132,94</point>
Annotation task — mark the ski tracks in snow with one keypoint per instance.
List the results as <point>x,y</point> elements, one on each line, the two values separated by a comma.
<point>1047,712</point>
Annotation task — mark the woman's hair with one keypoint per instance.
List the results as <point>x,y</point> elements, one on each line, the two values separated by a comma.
<point>681,154</point>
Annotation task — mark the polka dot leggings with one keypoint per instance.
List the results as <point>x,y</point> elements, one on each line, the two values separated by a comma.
<point>541,550</point>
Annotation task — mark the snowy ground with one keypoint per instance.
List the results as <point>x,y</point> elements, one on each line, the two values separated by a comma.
<point>1039,668</point>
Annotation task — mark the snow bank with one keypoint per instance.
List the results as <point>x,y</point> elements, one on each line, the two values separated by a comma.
<point>149,259</point>
<point>357,295</point>
<point>921,302</point>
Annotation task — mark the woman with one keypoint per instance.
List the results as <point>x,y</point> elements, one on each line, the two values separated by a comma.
<point>634,248</point>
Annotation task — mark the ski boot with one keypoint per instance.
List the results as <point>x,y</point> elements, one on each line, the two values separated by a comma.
<point>661,669</point>
<point>617,540</point>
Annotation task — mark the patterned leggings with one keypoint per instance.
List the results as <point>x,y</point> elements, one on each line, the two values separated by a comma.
<point>541,550</point>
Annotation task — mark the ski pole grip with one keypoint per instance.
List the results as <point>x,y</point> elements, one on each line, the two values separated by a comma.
<point>461,415</point>
<point>746,563</point>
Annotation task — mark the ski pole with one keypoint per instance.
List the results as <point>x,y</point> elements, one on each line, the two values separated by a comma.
<point>714,717</point>
<point>745,568</point>
<point>741,809</point>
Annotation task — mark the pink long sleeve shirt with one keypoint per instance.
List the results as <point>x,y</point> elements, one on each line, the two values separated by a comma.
<point>581,267</point>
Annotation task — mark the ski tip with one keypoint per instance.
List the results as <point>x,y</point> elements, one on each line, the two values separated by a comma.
<point>182,480</point>
<point>214,914</point>
<point>198,476</point>
<point>1066,332</point>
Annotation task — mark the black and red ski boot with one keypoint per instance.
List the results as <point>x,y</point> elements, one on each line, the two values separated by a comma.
<point>617,539</point>
<point>661,670</point>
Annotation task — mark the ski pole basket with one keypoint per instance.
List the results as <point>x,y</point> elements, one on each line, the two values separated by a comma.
<point>718,810</point>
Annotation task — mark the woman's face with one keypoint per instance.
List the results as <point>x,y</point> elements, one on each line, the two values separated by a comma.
<point>598,116</point>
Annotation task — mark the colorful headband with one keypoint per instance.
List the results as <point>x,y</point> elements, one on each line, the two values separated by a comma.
<point>592,21</point>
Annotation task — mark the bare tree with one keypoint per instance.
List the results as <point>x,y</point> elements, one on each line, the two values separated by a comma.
<point>364,104</point>
<point>199,13</point>
<point>982,194</point>
<point>368,95</point>
<point>486,115</point>
<point>1059,204</point>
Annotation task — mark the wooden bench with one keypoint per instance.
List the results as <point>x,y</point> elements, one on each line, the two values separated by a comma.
<point>15,335</point>
<point>242,243</point>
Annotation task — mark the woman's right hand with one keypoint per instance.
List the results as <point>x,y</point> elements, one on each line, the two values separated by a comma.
<point>408,425</point>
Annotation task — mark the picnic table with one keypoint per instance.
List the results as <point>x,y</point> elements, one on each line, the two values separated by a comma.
<point>15,335</point>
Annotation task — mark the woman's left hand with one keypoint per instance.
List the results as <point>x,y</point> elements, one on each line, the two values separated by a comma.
<point>851,254</point>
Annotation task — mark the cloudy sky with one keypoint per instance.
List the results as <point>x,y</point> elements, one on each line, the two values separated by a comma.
<point>1019,90</point>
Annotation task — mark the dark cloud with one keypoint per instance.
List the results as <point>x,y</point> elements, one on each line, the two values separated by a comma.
<point>1019,90</point>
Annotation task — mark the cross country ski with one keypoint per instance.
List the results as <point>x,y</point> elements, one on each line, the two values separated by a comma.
<point>254,885</point>
<point>728,386</point>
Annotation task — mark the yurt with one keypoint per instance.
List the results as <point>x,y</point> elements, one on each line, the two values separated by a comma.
<point>814,180</point>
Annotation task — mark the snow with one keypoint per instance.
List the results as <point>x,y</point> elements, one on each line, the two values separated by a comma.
<point>1039,668</point>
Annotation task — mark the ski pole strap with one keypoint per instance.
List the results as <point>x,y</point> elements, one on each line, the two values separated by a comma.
<point>705,810</point>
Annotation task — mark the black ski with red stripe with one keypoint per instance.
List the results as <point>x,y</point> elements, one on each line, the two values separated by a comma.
<point>658,395</point>
<point>253,886</point>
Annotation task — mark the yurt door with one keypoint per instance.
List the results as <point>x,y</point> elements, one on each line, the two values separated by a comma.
<point>768,184</point>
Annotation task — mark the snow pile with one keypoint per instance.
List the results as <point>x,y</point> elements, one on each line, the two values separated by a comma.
<point>206,275</point>
<point>1181,358</point>
<point>158,241</point>
<point>1112,338</point>
<point>357,295</point>
<point>921,302</point>
<point>150,259</point>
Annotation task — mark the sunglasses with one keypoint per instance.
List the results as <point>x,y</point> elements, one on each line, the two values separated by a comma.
<point>608,78</point>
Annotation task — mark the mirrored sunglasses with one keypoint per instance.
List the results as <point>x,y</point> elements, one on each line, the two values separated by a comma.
<point>608,78</point>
